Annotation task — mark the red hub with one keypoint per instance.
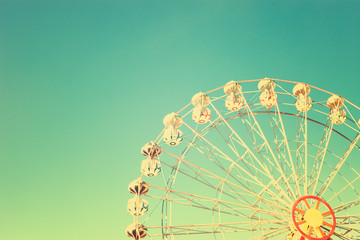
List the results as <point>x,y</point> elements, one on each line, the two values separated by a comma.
<point>315,220</point>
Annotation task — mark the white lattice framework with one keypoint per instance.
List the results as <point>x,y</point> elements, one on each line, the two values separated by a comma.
<point>239,174</point>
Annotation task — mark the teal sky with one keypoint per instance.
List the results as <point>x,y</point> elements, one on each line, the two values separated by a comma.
<point>84,84</point>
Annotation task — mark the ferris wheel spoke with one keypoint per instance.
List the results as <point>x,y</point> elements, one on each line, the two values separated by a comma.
<point>338,166</point>
<point>258,182</point>
<point>272,234</point>
<point>349,112</point>
<point>255,127</point>
<point>344,188</point>
<point>247,158</point>
<point>249,163</point>
<point>278,124</point>
<point>239,172</point>
<point>174,170</point>
<point>228,171</point>
<point>343,230</point>
<point>302,148</point>
<point>352,217</point>
<point>193,203</point>
<point>342,236</point>
<point>207,152</point>
<point>346,206</point>
<point>284,237</point>
<point>194,174</point>
<point>221,154</point>
<point>348,220</point>
<point>244,145</point>
<point>347,228</point>
<point>263,157</point>
<point>320,157</point>
<point>212,228</point>
<point>231,142</point>
<point>244,190</point>
<point>197,175</point>
<point>213,204</point>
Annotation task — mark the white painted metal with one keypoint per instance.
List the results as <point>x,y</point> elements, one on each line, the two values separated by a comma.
<point>237,174</point>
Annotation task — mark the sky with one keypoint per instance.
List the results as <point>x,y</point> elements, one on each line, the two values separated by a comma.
<point>85,84</point>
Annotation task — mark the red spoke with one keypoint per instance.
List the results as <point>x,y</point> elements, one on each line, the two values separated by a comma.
<point>300,211</point>
<point>321,231</point>
<point>307,204</point>
<point>301,222</point>
<point>327,224</point>
<point>310,231</point>
<point>326,213</point>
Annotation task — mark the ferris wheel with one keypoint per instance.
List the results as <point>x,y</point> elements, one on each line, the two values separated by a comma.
<point>254,159</point>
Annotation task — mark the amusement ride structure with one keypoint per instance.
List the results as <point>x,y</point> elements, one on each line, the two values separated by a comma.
<point>254,159</point>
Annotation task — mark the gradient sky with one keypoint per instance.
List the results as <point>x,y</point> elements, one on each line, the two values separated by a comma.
<point>84,84</point>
